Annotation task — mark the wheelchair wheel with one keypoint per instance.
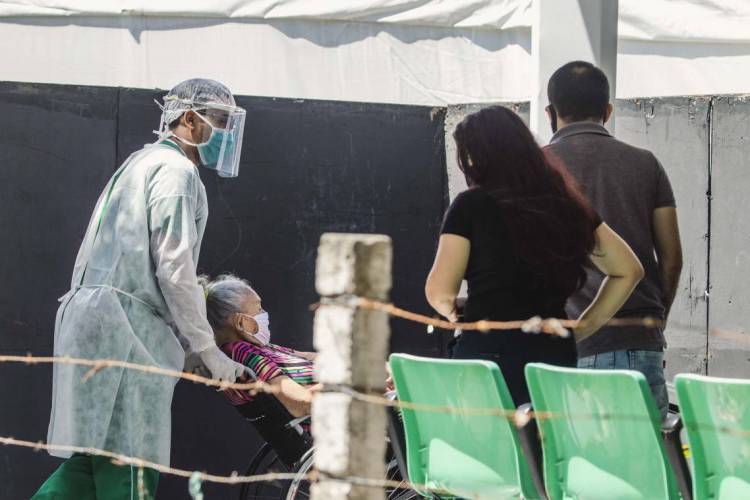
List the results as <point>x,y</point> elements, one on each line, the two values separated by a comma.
<point>265,461</point>
<point>402,492</point>
<point>300,486</point>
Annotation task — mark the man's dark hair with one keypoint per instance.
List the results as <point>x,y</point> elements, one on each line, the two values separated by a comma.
<point>579,91</point>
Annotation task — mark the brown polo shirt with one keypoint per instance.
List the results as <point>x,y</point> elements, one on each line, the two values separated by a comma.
<point>625,185</point>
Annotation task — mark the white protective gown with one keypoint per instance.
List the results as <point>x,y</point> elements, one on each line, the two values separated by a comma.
<point>134,279</point>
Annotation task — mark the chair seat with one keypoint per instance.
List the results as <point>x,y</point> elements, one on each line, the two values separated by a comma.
<point>712,409</point>
<point>477,491</point>
<point>586,480</point>
<point>463,475</point>
<point>734,487</point>
<point>604,442</point>
<point>461,453</point>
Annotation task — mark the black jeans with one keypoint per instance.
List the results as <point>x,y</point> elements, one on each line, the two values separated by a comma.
<point>512,350</point>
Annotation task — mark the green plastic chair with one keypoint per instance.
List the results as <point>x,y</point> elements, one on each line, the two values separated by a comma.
<point>601,435</point>
<point>464,454</point>
<point>716,415</point>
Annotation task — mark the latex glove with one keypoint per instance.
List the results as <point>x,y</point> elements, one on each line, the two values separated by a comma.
<point>220,365</point>
<point>194,365</point>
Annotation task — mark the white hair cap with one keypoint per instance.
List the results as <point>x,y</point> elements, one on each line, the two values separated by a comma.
<point>196,93</point>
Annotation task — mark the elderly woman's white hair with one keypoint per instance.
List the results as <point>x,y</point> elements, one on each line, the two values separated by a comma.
<point>224,298</point>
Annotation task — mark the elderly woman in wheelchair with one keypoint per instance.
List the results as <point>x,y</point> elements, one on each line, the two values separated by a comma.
<point>242,330</point>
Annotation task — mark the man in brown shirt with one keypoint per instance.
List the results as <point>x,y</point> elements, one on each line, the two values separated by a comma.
<point>630,190</point>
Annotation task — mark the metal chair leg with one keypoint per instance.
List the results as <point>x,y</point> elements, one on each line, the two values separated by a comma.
<point>673,444</point>
<point>532,448</point>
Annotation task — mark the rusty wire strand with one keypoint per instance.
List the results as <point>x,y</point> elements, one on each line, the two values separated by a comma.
<point>234,478</point>
<point>737,337</point>
<point>121,459</point>
<point>372,398</point>
<point>550,326</point>
<point>99,364</point>
<point>486,326</point>
<point>255,387</point>
<point>263,387</point>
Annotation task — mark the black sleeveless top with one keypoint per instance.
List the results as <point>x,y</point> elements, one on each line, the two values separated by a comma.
<point>504,288</point>
<point>501,286</point>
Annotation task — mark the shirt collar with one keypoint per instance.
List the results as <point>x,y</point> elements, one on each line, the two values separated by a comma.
<point>171,143</point>
<point>579,128</point>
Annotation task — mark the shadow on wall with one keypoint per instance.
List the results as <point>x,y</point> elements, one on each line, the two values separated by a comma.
<point>317,32</point>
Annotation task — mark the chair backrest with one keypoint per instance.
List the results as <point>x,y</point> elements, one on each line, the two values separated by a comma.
<point>271,419</point>
<point>716,415</point>
<point>601,434</point>
<point>461,452</point>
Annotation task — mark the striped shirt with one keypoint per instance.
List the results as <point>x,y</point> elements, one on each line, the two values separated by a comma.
<point>268,362</point>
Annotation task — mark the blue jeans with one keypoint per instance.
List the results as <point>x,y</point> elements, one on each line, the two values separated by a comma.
<point>649,363</point>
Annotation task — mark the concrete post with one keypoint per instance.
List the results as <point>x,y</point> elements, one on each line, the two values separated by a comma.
<point>352,346</point>
<point>569,30</point>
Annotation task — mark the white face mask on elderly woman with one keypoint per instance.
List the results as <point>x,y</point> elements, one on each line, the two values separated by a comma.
<point>263,335</point>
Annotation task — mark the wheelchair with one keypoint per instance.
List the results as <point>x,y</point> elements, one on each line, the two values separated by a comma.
<point>288,449</point>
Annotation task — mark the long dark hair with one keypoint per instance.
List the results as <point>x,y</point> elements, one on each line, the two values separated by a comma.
<point>551,223</point>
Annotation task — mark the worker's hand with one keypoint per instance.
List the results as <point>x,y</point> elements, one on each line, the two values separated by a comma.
<point>194,365</point>
<point>221,367</point>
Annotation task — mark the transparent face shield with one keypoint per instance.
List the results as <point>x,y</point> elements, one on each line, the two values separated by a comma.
<point>221,151</point>
<point>221,148</point>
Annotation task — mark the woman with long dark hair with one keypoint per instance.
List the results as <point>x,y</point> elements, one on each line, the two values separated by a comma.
<point>521,236</point>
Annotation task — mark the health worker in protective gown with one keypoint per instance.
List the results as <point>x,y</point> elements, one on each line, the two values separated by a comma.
<point>135,297</point>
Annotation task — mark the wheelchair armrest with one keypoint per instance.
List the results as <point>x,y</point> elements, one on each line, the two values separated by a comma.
<point>296,423</point>
<point>531,446</point>
<point>670,432</point>
<point>277,427</point>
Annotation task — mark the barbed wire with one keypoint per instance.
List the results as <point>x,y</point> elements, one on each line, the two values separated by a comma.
<point>486,325</point>
<point>257,387</point>
<point>99,364</point>
<point>197,477</point>
<point>388,483</point>
<point>201,477</point>
<point>550,326</point>
<point>536,324</point>
<point>521,419</point>
<point>364,396</point>
<point>121,459</point>
<point>734,336</point>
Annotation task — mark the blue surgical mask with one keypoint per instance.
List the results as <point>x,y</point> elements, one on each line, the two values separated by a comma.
<point>225,161</point>
<point>209,151</point>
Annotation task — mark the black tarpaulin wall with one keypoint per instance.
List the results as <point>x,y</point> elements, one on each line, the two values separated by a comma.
<point>308,167</point>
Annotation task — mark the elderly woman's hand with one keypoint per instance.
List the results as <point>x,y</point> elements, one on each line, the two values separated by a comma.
<point>389,385</point>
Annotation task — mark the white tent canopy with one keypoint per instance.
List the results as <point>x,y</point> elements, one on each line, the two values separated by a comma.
<point>405,51</point>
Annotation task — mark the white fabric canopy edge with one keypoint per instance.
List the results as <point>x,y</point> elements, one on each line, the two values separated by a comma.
<point>713,21</point>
